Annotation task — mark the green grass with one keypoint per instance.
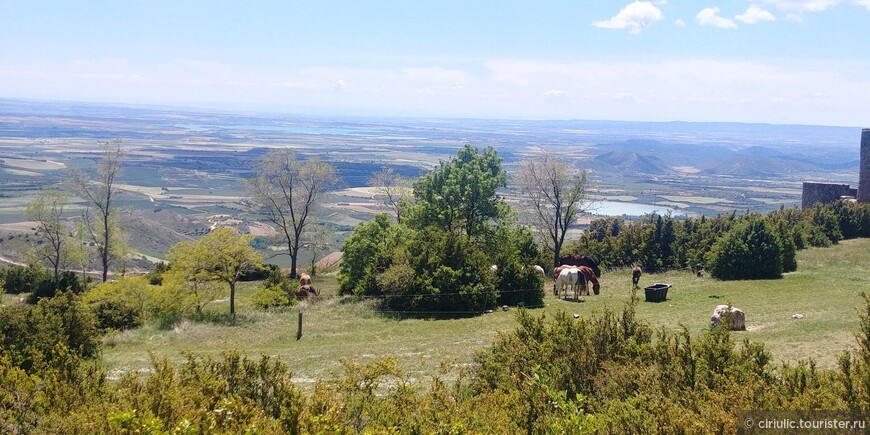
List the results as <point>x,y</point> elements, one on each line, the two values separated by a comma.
<point>826,290</point>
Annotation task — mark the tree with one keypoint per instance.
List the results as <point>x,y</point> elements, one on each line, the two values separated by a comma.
<point>288,190</point>
<point>223,255</point>
<point>100,195</point>
<point>393,187</point>
<point>750,250</point>
<point>555,193</point>
<point>461,194</point>
<point>365,254</point>
<point>47,211</point>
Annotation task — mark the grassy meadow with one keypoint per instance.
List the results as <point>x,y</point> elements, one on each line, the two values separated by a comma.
<point>825,289</point>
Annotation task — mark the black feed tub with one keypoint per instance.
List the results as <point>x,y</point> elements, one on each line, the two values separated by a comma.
<point>657,292</point>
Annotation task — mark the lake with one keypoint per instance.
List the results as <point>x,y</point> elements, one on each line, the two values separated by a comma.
<point>617,208</point>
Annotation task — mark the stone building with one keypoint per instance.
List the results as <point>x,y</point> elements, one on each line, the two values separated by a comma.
<point>814,193</point>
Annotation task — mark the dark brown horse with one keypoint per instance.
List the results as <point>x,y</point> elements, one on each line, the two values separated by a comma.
<point>580,260</point>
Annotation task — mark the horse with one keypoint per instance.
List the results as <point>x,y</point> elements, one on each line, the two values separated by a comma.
<point>540,270</point>
<point>580,260</point>
<point>588,274</point>
<point>568,276</point>
<point>304,279</point>
<point>305,291</point>
<point>636,271</point>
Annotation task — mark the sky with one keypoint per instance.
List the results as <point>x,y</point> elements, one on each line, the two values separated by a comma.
<point>760,61</point>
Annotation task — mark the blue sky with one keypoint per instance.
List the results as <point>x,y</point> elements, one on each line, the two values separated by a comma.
<point>771,61</point>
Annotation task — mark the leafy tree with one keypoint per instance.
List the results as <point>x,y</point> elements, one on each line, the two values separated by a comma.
<point>289,190</point>
<point>461,194</point>
<point>47,210</point>
<point>555,192</point>
<point>100,196</point>
<point>750,250</point>
<point>223,256</point>
<point>365,254</point>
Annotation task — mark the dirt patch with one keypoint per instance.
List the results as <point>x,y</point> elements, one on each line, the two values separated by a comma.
<point>330,260</point>
<point>258,229</point>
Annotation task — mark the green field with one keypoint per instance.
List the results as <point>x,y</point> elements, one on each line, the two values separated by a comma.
<point>826,290</point>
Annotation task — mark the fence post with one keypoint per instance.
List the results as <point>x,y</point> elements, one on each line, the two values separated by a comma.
<point>299,326</point>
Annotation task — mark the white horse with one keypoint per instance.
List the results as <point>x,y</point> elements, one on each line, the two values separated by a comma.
<point>568,276</point>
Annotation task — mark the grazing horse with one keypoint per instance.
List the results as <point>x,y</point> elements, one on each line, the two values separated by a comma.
<point>304,279</point>
<point>589,275</point>
<point>540,270</point>
<point>569,276</point>
<point>305,291</point>
<point>636,271</point>
<point>580,260</point>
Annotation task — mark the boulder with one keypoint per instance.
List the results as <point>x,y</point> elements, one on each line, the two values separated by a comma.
<point>738,317</point>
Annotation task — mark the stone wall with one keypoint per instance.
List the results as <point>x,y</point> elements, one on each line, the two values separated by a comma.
<point>814,193</point>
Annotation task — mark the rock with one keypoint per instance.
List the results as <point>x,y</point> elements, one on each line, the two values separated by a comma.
<point>505,307</point>
<point>797,316</point>
<point>738,317</point>
<point>576,316</point>
<point>488,312</point>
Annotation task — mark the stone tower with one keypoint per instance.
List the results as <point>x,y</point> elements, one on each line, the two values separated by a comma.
<point>864,170</point>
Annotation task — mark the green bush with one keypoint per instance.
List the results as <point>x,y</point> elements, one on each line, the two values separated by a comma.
<point>276,291</point>
<point>750,250</point>
<point>115,314</point>
<point>30,334</point>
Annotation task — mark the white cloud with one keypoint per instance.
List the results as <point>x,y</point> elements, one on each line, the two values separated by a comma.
<point>338,84</point>
<point>755,14</point>
<point>800,6</point>
<point>635,17</point>
<point>711,17</point>
<point>680,22</point>
<point>556,93</point>
<point>865,3</point>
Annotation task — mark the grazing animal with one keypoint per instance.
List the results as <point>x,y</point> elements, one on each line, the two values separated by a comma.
<point>305,291</point>
<point>589,275</point>
<point>636,271</point>
<point>541,270</point>
<point>580,260</point>
<point>571,277</point>
<point>304,279</point>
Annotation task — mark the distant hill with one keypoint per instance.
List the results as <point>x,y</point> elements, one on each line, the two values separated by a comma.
<point>630,161</point>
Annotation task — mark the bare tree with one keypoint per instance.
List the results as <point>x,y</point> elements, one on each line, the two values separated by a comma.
<point>554,193</point>
<point>393,187</point>
<point>289,190</point>
<point>47,211</point>
<point>99,192</point>
<point>317,242</point>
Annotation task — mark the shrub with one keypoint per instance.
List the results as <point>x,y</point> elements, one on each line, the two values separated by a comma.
<point>276,291</point>
<point>115,314</point>
<point>26,279</point>
<point>30,334</point>
<point>750,250</point>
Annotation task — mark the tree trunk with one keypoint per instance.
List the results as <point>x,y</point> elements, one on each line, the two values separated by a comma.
<point>294,253</point>
<point>233,300</point>
<point>105,250</point>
